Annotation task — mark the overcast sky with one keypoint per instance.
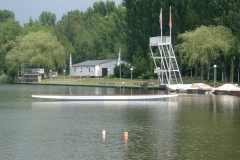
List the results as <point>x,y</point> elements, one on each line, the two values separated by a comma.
<point>24,9</point>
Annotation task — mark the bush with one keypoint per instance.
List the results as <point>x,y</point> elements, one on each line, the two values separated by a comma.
<point>110,76</point>
<point>7,80</point>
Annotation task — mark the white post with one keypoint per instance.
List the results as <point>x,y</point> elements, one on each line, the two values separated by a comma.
<point>108,74</point>
<point>159,81</point>
<point>215,74</point>
<point>70,65</point>
<point>64,74</point>
<point>161,23</point>
<point>80,70</point>
<point>191,74</point>
<point>98,75</point>
<point>38,76</point>
<point>131,74</point>
<point>120,64</point>
<point>50,75</point>
<point>238,76</point>
<point>170,24</point>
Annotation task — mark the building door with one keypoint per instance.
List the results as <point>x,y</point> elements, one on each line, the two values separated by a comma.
<point>104,72</point>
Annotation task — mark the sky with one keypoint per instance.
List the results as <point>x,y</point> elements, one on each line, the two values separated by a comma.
<point>24,9</point>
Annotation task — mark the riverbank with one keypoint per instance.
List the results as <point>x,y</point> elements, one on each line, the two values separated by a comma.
<point>113,82</point>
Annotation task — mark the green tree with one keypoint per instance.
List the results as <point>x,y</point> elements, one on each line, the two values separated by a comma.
<point>35,27</point>
<point>5,15</point>
<point>97,33</point>
<point>36,48</point>
<point>9,30</point>
<point>47,18</point>
<point>206,44</point>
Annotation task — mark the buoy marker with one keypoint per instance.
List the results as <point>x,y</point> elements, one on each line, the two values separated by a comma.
<point>103,134</point>
<point>125,136</point>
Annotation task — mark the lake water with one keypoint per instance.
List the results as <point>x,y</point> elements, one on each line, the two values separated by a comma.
<point>189,126</point>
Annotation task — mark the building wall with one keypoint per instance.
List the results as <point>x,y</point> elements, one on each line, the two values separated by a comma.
<point>94,71</point>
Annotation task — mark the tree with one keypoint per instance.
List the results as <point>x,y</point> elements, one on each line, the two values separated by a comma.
<point>37,48</point>
<point>9,30</point>
<point>97,33</point>
<point>5,15</point>
<point>47,18</point>
<point>206,44</point>
<point>35,27</point>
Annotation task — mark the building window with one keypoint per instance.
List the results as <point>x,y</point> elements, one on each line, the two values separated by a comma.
<point>75,69</point>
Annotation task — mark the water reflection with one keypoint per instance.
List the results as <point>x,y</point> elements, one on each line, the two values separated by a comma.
<point>189,126</point>
<point>206,126</point>
<point>145,121</point>
<point>108,104</point>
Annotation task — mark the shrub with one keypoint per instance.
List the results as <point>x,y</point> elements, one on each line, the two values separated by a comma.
<point>7,80</point>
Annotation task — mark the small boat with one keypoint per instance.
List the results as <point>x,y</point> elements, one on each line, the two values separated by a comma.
<point>105,97</point>
<point>228,89</point>
<point>189,88</point>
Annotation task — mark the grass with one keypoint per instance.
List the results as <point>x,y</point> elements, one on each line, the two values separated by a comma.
<point>97,81</point>
<point>114,81</point>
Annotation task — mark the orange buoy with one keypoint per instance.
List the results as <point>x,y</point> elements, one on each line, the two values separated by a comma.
<point>125,136</point>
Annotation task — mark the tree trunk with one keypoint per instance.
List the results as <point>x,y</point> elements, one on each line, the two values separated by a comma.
<point>232,71</point>
<point>225,80</point>
<point>180,64</point>
<point>208,69</point>
<point>202,72</point>
<point>196,69</point>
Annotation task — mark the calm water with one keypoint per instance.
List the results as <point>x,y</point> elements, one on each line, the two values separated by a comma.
<point>189,126</point>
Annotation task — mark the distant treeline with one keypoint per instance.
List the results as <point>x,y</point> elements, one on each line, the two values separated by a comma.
<point>102,29</point>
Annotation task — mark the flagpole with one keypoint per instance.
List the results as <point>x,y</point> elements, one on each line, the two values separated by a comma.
<point>70,65</point>
<point>120,65</point>
<point>170,24</point>
<point>161,23</point>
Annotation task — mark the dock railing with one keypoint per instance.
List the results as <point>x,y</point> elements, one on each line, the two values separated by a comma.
<point>160,40</point>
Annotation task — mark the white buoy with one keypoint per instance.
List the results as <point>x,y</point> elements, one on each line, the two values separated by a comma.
<point>103,134</point>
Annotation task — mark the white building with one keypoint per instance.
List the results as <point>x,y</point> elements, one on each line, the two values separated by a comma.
<point>94,68</point>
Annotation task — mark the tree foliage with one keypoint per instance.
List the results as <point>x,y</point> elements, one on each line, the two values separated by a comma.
<point>9,30</point>
<point>206,44</point>
<point>97,33</point>
<point>5,15</point>
<point>37,48</point>
<point>47,18</point>
<point>102,29</point>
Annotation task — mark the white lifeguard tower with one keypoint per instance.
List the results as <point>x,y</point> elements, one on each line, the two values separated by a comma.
<point>166,66</point>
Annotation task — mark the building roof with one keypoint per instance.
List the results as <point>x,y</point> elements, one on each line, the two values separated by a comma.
<point>92,63</point>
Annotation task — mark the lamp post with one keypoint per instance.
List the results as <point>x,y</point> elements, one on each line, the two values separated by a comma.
<point>38,77</point>
<point>123,84</point>
<point>238,69</point>
<point>158,73</point>
<point>222,77</point>
<point>64,74</point>
<point>191,73</point>
<point>50,75</point>
<point>80,70</point>
<point>238,76</point>
<point>131,74</point>
<point>108,74</point>
<point>98,75</point>
<point>215,74</point>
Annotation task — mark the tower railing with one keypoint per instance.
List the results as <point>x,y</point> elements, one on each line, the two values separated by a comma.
<point>166,66</point>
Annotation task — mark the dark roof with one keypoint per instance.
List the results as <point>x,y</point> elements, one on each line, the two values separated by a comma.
<point>93,62</point>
